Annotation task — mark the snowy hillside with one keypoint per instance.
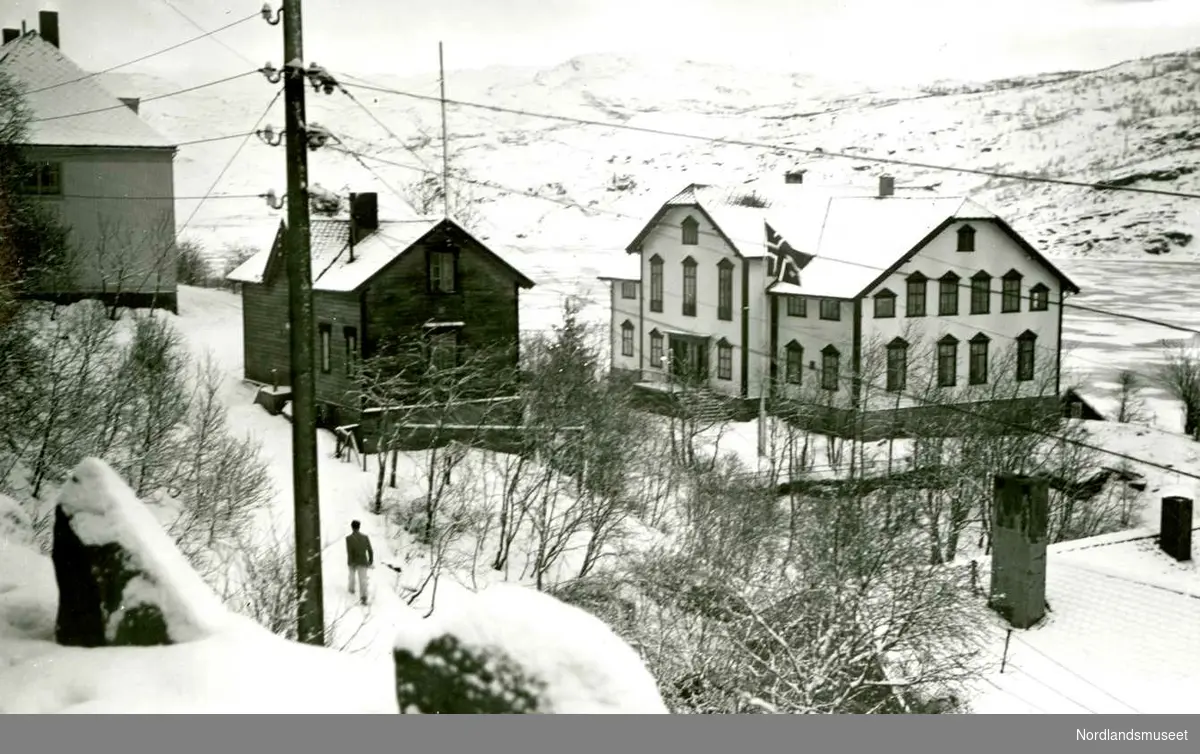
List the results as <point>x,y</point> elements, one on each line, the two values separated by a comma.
<point>569,192</point>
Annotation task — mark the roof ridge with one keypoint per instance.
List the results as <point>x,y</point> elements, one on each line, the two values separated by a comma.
<point>99,119</point>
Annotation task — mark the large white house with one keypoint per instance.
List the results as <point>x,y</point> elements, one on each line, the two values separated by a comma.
<point>107,175</point>
<point>850,298</point>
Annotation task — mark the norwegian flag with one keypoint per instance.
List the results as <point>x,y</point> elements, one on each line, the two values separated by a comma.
<point>786,262</point>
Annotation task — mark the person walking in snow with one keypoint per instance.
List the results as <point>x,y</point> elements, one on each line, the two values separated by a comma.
<point>359,558</point>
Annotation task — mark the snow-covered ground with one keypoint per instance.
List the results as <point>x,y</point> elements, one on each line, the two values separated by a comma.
<point>1120,637</point>
<point>209,321</point>
<point>571,192</point>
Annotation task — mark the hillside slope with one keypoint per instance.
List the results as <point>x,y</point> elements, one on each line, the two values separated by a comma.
<point>581,189</point>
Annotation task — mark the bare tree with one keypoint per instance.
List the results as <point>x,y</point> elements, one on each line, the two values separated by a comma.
<point>419,400</point>
<point>127,259</point>
<point>149,404</point>
<point>222,481</point>
<point>841,629</point>
<point>1179,376</point>
<point>192,266</point>
<point>1131,407</point>
<point>427,195</point>
<point>34,246</point>
<point>73,379</point>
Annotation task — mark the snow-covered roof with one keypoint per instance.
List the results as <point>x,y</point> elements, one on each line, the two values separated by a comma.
<point>332,268</point>
<point>621,267</point>
<point>742,225</point>
<point>1120,636</point>
<point>852,234</point>
<point>56,87</point>
<point>858,238</point>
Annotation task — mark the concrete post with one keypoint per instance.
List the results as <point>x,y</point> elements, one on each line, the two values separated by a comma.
<point>1175,528</point>
<point>1021,516</point>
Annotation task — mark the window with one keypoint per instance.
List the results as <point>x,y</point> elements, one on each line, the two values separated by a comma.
<point>627,338</point>
<point>691,231</point>
<point>689,287</point>
<point>947,361</point>
<point>829,368</point>
<point>797,306</point>
<point>794,371</point>
<point>885,304</point>
<point>948,295</point>
<point>656,283</point>
<point>628,289</point>
<point>1039,298</point>
<point>977,366</point>
<point>326,334</point>
<point>43,179</point>
<point>981,293</point>
<point>1010,292</point>
<point>442,272</point>
<point>914,304</point>
<point>831,309</point>
<point>725,290</point>
<point>897,365</point>
<point>724,360</point>
<point>443,350</point>
<point>966,238</point>
<point>1026,347</point>
<point>351,335</point>
<point>656,349</point>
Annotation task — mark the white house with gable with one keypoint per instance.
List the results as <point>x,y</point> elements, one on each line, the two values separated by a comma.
<point>98,167</point>
<point>860,301</point>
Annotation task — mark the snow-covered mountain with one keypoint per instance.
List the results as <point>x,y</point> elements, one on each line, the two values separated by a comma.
<point>579,190</point>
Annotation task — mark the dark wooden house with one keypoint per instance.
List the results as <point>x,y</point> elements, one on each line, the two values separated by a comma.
<point>425,286</point>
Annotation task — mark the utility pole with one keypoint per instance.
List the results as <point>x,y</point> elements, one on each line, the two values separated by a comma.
<point>445,137</point>
<point>307,511</point>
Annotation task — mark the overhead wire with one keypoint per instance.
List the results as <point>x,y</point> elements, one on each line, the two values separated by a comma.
<point>840,260</point>
<point>153,98</point>
<point>1024,177</point>
<point>221,174</point>
<point>216,39</point>
<point>147,56</point>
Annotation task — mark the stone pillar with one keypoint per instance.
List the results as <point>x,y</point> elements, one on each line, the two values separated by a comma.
<point>1020,519</point>
<point>1175,528</point>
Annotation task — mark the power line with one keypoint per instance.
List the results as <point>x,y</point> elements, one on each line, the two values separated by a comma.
<point>1076,675</point>
<point>378,177</point>
<point>765,145</point>
<point>146,99</point>
<point>221,42</point>
<point>154,54</point>
<point>75,151</point>
<point>967,286</point>
<point>1044,348</point>
<point>234,156</point>
<point>957,409</point>
<point>840,260</point>
<point>213,187</point>
<point>384,126</point>
<point>203,197</point>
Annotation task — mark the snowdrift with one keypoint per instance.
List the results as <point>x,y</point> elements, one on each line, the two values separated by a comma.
<point>132,628</point>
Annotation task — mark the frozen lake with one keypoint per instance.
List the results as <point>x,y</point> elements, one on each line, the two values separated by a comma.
<point>1099,345</point>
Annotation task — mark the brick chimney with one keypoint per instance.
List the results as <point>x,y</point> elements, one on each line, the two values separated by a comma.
<point>794,176</point>
<point>1175,529</point>
<point>1020,520</point>
<point>364,214</point>
<point>887,185</point>
<point>48,26</point>
<point>133,103</point>
<point>10,35</point>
